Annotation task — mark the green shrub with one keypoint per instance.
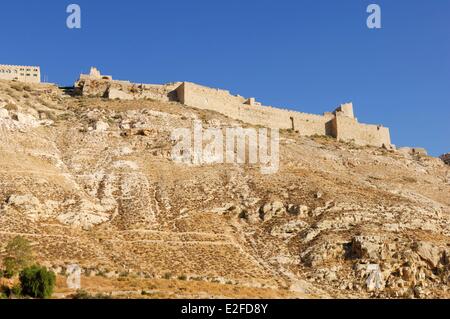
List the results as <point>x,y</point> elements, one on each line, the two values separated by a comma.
<point>37,282</point>
<point>8,273</point>
<point>18,256</point>
<point>16,290</point>
<point>5,291</point>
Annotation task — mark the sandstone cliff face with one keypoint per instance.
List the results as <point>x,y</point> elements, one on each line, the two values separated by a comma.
<point>91,182</point>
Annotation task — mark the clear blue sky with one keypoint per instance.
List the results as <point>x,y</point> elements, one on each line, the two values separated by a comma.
<point>308,55</point>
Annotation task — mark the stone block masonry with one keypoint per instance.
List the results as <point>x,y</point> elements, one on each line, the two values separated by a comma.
<point>348,129</point>
<point>340,124</point>
<point>96,84</point>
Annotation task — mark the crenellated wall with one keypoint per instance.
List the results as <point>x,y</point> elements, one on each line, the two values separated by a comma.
<point>235,107</point>
<point>348,129</point>
<point>340,124</point>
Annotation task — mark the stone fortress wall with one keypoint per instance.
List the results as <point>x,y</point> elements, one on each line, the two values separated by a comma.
<point>341,123</point>
<point>22,73</point>
<point>96,84</point>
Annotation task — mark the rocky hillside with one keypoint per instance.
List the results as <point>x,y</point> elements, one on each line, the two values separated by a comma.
<point>91,181</point>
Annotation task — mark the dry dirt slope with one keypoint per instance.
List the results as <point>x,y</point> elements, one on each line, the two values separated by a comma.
<point>90,181</point>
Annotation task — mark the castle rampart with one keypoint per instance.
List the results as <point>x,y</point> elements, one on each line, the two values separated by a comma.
<point>348,129</point>
<point>340,124</point>
<point>96,84</point>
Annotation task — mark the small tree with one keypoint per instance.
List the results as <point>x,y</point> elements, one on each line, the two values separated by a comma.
<point>18,256</point>
<point>37,282</point>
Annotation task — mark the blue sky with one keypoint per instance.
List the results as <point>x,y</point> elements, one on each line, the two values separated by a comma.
<point>307,55</point>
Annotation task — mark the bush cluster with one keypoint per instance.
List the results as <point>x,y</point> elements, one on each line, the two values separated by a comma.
<point>34,281</point>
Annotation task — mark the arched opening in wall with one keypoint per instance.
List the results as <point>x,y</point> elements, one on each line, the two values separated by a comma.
<point>292,123</point>
<point>105,78</point>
